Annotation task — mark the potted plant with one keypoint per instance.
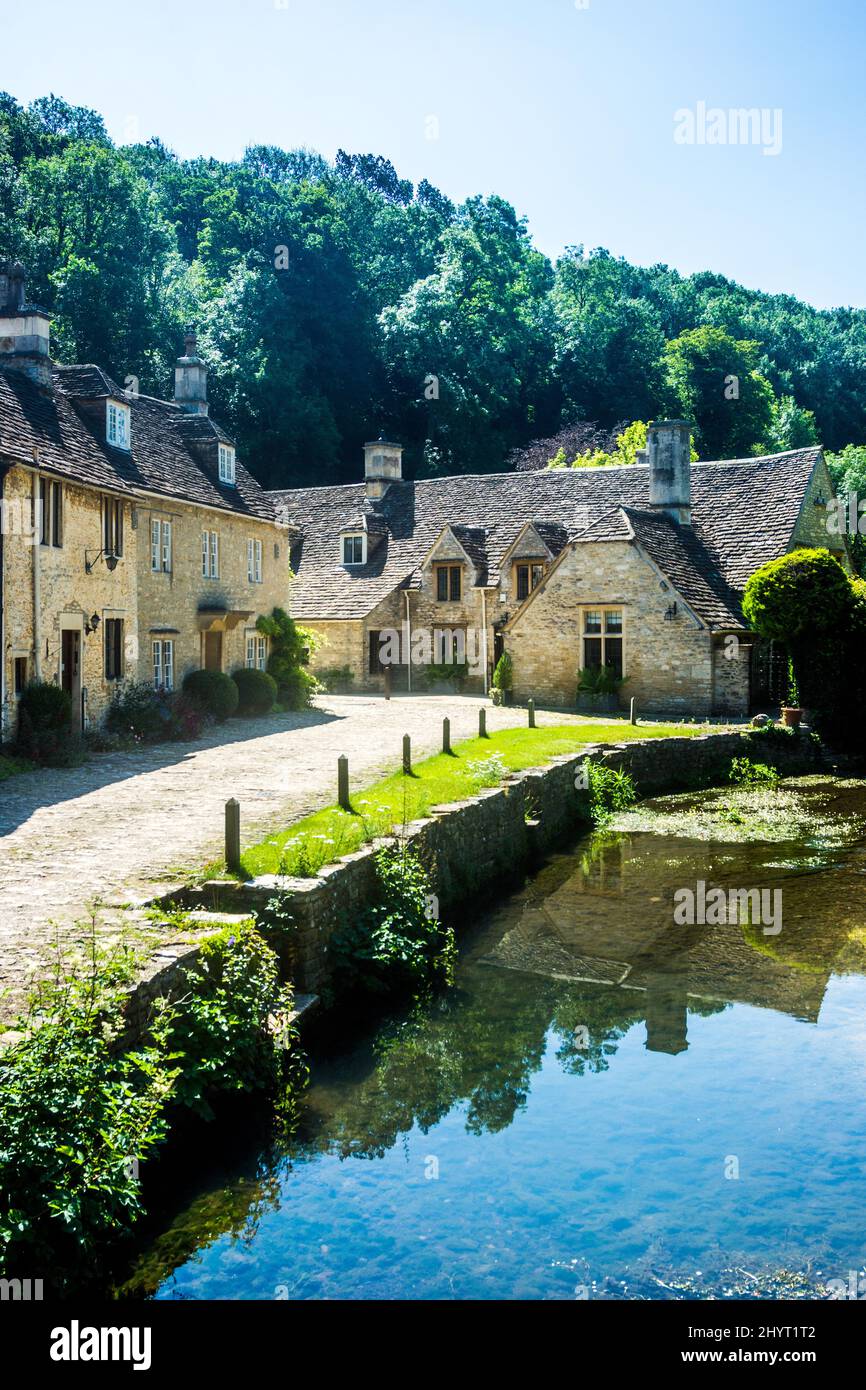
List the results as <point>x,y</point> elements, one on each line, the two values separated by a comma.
<point>503,681</point>
<point>445,677</point>
<point>792,712</point>
<point>598,690</point>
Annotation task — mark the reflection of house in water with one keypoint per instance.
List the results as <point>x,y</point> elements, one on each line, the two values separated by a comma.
<point>605,917</point>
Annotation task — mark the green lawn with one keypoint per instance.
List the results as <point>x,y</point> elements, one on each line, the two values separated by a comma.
<point>304,847</point>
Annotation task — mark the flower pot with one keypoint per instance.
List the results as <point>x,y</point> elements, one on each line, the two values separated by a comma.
<point>791,716</point>
<point>597,704</point>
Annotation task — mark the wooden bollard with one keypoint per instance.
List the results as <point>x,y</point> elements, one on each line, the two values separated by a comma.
<point>387,682</point>
<point>530,705</point>
<point>343,782</point>
<point>407,755</point>
<point>233,836</point>
<point>446,735</point>
<point>482,723</point>
<point>632,714</point>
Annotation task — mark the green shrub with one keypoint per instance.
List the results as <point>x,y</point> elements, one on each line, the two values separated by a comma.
<point>599,680</point>
<point>44,718</point>
<point>291,648</point>
<point>447,672</point>
<point>257,690</point>
<point>744,772</point>
<point>487,772</point>
<point>607,791</point>
<point>804,592</point>
<point>76,1118</point>
<point>334,676</point>
<point>139,712</point>
<point>213,692</point>
<point>232,1033</point>
<point>503,676</point>
<point>298,688</point>
<point>396,943</point>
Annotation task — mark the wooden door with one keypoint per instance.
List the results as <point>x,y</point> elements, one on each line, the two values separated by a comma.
<point>213,651</point>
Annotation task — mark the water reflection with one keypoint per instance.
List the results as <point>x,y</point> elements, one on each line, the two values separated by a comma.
<point>582,965</point>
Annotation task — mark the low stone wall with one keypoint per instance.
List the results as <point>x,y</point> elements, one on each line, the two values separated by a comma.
<point>469,848</point>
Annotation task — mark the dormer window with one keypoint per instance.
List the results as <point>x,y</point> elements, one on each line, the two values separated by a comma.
<point>118,428</point>
<point>354,548</point>
<point>227,463</point>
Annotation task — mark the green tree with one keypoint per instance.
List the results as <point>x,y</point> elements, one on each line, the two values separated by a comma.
<point>714,380</point>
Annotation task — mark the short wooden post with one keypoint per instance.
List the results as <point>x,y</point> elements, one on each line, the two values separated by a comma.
<point>387,681</point>
<point>233,836</point>
<point>343,782</point>
<point>446,735</point>
<point>407,754</point>
<point>530,705</point>
<point>482,723</point>
<point>632,713</point>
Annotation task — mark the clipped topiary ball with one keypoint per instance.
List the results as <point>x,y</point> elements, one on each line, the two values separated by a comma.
<point>257,690</point>
<point>214,692</point>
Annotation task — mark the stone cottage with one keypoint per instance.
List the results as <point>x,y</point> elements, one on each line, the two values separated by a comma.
<point>638,568</point>
<point>135,545</point>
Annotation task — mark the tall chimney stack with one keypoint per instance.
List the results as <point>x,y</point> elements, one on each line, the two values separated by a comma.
<point>669,454</point>
<point>25,329</point>
<point>383,465</point>
<point>190,378</point>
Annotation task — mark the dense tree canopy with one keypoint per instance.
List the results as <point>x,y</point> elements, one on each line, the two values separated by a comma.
<point>336,299</point>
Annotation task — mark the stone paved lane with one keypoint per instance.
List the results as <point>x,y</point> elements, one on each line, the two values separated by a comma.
<point>118,827</point>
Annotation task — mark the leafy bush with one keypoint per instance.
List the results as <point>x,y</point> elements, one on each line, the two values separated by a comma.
<point>487,772</point>
<point>746,773</point>
<point>334,676</point>
<point>76,1118</point>
<point>804,592</point>
<point>599,680</point>
<point>503,676</point>
<point>140,712</point>
<point>396,943</point>
<point>44,718</point>
<point>291,648</point>
<point>607,792</point>
<point>233,1025</point>
<point>447,673</point>
<point>257,690</point>
<point>213,692</point>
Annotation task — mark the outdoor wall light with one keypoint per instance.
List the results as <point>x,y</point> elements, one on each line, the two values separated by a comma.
<point>111,560</point>
<point>93,624</point>
<point>671,612</point>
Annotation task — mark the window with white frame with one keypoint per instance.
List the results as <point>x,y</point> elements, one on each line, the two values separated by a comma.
<point>226,463</point>
<point>118,429</point>
<point>160,546</point>
<point>257,652</point>
<point>602,638</point>
<point>254,561</point>
<point>210,554</point>
<point>163,663</point>
<point>354,548</point>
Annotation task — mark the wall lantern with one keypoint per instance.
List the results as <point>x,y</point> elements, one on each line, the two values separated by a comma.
<point>671,612</point>
<point>111,560</point>
<point>93,624</point>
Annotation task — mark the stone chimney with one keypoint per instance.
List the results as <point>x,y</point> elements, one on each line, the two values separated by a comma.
<point>383,465</point>
<point>668,451</point>
<point>190,378</point>
<point>25,329</point>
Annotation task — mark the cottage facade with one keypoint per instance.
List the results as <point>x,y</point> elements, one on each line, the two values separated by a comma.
<point>135,545</point>
<point>637,568</point>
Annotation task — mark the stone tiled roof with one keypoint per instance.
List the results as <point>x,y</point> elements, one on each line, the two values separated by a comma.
<point>743,513</point>
<point>66,430</point>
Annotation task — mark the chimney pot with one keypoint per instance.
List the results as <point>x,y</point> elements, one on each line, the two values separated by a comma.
<point>25,329</point>
<point>383,465</point>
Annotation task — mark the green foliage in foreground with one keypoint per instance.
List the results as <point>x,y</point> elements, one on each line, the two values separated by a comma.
<point>319,839</point>
<point>79,1113</point>
<point>744,772</point>
<point>608,791</point>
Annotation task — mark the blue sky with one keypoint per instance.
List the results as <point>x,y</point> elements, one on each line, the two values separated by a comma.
<point>567,111</point>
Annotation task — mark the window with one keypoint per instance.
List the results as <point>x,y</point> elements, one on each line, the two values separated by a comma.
<point>354,548</point>
<point>117,424</point>
<point>602,638</point>
<point>226,463</point>
<point>51,513</point>
<point>160,546</point>
<point>163,664</point>
<point>257,652</point>
<point>210,554</point>
<point>528,578</point>
<point>112,526</point>
<point>254,561</point>
<point>113,628</point>
<point>20,669</point>
<point>448,579</point>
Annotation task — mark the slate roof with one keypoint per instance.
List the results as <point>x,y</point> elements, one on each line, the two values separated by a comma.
<point>67,429</point>
<point>743,513</point>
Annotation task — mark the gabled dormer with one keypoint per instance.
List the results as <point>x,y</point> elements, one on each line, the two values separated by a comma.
<point>118,424</point>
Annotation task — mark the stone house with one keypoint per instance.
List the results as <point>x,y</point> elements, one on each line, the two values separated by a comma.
<point>639,568</point>
<point>135,545</point>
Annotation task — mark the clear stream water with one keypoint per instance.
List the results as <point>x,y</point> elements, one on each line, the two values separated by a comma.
<point>605,1105</point>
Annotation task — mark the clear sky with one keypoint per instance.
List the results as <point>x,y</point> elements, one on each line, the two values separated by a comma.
<point>566,109</point>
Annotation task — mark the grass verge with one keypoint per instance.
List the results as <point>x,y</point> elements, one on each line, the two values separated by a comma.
<point>303,848</point>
